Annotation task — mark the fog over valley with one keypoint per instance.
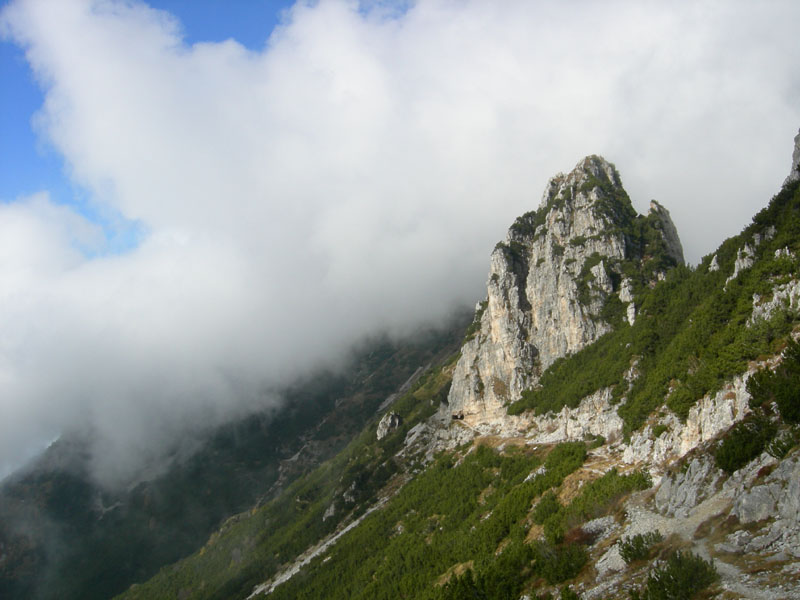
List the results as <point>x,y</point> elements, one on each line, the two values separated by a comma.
<point>243,216</point>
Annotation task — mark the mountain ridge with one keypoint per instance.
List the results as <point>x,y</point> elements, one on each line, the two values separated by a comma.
<point>63,535</point>
<point>628,448</point>
<point>652,437</point>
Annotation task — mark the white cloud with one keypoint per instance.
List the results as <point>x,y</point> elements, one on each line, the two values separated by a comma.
<point>352,176</point>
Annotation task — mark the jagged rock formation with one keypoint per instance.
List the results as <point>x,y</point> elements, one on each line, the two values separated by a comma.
<point>389,422</point>
<point>663,223</point>
<point>596,416</point>
<point>745,256</point>
<point>550,281</point>
<point>784,295</point>
<point>775,498</point>
<point>682,491</point>
<point>709,417</point>
<point>794,172</point>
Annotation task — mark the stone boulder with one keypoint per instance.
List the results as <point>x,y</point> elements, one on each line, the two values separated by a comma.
<point>388,423</point>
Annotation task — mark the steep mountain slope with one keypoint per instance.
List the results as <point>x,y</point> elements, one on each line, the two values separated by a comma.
<point>551,284</point>
<point>651,452</point>
<point>63,536</point>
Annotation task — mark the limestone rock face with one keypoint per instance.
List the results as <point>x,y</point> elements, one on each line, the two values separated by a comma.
<point>785,296</point>
<point>778,496</point>
<point>757,503</point>
<point>774,501</point>
<point>389,422</point>
<point>669,233</point>
<point>594,416</point>
<point>710,416</point>
<point>681,492</point>
<point>548,283</point>
<point>746,255</point>
<point>745,258</point>
<point>794,172</point>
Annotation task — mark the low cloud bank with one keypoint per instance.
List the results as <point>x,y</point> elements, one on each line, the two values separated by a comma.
<point>350,177</point>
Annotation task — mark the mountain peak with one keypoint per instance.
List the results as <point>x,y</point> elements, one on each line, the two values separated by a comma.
<point>590,172</point>
<point>596,166</point>
<point>562,278</point>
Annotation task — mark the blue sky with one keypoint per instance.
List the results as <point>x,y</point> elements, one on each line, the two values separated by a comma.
<point>25,165</point>
<point>200,218</point>
<point>29,164</point>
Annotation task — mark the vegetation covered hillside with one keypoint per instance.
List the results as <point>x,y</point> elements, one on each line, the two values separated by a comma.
<point>692,331</point>
<point>62,536</point>
<point>437,510</point>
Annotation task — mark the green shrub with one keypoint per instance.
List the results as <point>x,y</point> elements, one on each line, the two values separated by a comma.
<point>783,444</point>
<point>554,528</point>
<point>594,500</point>
<point>475,326</point>
<point>744,442</point>
<point>546,507</point>
<point>597,496</point>
<point>658,430</point>
<point>557,563</point>
<point>501,577</point>
<point>682,577</point>
<point>596,442</point>
<point>565,458</point>
<point>568,594</point>
<point>781,386</point>
<point>639,546</point>
<point>578,240</point>
<point>525,225</point>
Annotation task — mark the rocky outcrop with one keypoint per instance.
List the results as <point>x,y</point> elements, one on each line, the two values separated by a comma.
<point>785,296</point>
<point>794,172</point>
<point>425,440</point>
<point>388,423</point>
<point>549,281</point>
<point>776,494</point>
<point>709,417</point>
<point>777,498</point>
<point>745,257</point>
<point>680,492</point>
<point>669,233</point>
<point>594,416</point>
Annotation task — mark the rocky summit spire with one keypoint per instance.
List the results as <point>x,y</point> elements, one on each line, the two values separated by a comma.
<point>794,172</point>
<point>663,222</point>
<point>549,283</point>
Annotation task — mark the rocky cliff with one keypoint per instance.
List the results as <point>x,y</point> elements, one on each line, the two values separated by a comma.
<point>554,282</point>
<point>794,172</point>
